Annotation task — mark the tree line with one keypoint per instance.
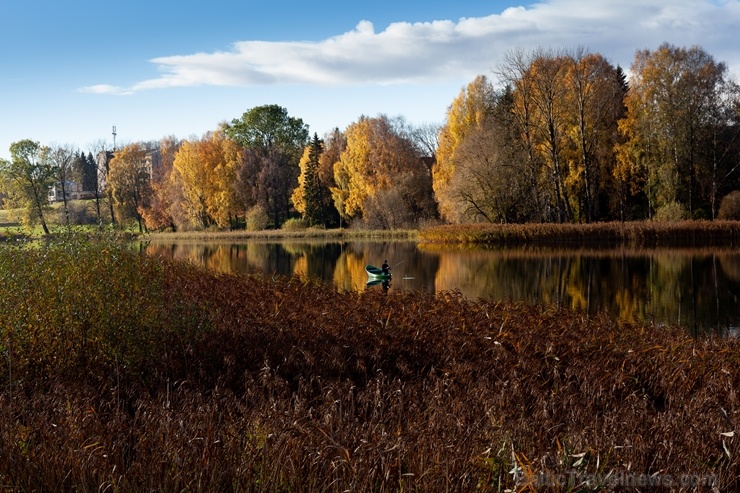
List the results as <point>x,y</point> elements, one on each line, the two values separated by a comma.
<point>565,137</point>
<point>569,139</point>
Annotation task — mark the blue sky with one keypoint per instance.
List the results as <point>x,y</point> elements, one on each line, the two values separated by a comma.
<point>70,70</point>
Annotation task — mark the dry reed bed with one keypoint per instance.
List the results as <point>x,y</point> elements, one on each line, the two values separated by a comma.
<point>202,382</point>
<point>633,234</point>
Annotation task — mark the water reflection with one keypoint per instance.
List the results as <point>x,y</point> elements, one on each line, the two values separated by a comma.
<point>697,289</point>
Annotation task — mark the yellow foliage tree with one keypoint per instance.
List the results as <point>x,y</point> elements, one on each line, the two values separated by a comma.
<point>206,169</point>
<point>593,105</point>
<point>356,161</point>
<point>380,158</point>
<point>299,194</point>
<point>467,112</point>
<point>129,178</point>
<point>677,106</point>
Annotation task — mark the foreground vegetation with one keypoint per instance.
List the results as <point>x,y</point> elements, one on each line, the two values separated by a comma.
<point>123,372</point>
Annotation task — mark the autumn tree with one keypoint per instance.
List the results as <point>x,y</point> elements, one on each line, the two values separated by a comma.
<point>304,195</point>
<point>268,172</point>
<point>26,179</point>
<point>593,105</point>
<point>129,179</point>
<point>387,183</point>
<point>465,114</point>
<point>267,180</point>
<point>565,109</point>
<point>722,145</point>
<point>426,138</point>
<point>490,183</point>
<point>207,172</point>
<point>546,74</point>
<point>676,105</point>
<point>333,174</point>
<point>514,73</point>
<point>165,209</point>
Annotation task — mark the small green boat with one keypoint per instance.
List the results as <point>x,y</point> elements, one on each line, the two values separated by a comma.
<point>376,272</point>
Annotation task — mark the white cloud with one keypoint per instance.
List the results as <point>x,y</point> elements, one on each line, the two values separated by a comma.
<point>441,51</point>
<point>106,89</point>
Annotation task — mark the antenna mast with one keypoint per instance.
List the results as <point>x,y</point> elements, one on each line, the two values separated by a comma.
<point>114,138</point>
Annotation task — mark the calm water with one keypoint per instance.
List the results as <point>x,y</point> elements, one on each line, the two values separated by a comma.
<point>697,289</point>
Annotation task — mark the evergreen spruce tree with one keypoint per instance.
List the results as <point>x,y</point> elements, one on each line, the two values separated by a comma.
<point>90,174</point>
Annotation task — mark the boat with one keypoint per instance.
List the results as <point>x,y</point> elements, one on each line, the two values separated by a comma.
<point>376,272</point>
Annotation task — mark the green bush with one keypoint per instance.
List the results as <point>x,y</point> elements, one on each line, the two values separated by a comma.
<point>257,218</point>
<point>729,209</point>
<point>670,213</point>
<point>295,224</point>
<point>81,305</point>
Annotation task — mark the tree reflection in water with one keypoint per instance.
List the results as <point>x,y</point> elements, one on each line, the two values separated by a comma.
<point>697,289</point>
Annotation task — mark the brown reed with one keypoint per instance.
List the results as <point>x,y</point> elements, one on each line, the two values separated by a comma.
<point>229,383</point>
<point>607,235</point>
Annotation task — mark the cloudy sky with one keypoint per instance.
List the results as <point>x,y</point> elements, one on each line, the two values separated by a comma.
<point>71,70</point>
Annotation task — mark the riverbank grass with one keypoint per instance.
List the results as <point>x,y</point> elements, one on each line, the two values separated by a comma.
<point>608,235</point>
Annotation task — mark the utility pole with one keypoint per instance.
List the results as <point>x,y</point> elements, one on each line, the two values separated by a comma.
<point>114,138</point>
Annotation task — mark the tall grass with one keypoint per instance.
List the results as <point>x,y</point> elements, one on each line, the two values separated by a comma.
<point>127,373</point>
<point>633,234</point>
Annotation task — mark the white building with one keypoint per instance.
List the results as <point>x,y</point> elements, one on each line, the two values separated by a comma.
<point>73,191</point>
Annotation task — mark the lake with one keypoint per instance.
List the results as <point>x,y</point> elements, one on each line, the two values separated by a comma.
<point>696,289</point>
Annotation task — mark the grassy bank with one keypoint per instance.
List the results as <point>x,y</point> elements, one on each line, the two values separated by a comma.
<point>287,234</point>
<point>608,235</point>
<point>127,373</point>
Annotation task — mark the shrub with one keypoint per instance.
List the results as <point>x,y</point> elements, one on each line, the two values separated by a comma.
<point>295,224</point>
<point>257,218</point>
<point>82,212</point>
<point>730,207</point>
<point>670,213</point>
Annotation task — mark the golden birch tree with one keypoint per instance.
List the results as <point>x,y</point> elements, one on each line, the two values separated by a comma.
<point>129,178</point>
<point>593,102</point>
<point>673,106</point>
<point>384,173</point>
<point>466,113</point>
<point>206,170</point>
